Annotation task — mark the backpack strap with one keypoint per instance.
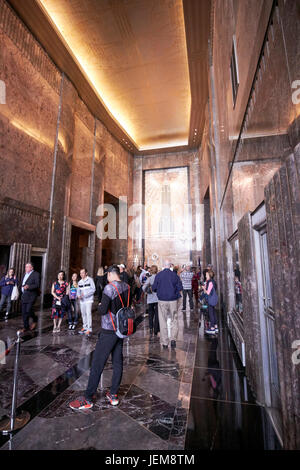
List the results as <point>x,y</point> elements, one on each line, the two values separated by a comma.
<point>120,295</point>
<point>121,303</point>
<point>112,320</point>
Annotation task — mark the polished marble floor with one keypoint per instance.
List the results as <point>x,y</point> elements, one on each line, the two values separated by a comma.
<point>195,397</point>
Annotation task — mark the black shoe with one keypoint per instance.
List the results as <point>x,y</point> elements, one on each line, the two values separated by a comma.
<point>165,346</point>
<point>173,344</point>
<point>24,330</point>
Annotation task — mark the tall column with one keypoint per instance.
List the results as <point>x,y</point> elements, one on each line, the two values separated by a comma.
<point>136,223</point>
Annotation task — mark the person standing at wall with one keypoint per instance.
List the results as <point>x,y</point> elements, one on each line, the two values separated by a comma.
<point>7,284</point>
<point>30,292</point>
<point>58,291</point>
<point>209,266</point>
<point>123,274</point>
<point>168,287</point>
<point>210,290</point>
<point>152,301</point>
<point>86,290</point>
<point>101,281</point>
<point>72,293</point>
<point>186,278</point>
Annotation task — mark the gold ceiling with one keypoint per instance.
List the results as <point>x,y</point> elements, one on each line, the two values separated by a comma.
<point>134,54</point>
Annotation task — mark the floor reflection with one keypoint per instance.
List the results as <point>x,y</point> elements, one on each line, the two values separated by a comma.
<point>193,397</point>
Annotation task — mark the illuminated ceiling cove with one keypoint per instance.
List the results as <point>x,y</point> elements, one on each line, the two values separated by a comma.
<point>134,54</point>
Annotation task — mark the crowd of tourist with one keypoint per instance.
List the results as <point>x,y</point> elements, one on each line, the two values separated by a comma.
<point>146,283</point>
<point>116,287</point>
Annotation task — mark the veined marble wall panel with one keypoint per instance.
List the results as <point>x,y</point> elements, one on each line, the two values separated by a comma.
<point>28,121</point>
<point>187,159</point>
<point>282,197</point>
<point>168,222</point>
<point>248,183</point>
<point>81,171</point>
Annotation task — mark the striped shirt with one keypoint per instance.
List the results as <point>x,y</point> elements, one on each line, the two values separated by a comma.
<point>186,279</point>
<point>86,288</point>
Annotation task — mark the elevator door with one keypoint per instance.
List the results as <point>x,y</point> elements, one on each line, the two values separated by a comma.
<point>272,381</point>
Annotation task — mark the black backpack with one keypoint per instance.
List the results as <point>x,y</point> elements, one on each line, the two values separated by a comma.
<point>125,318</point>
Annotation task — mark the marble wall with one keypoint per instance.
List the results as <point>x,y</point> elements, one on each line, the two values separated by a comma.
<point>187,159</point>
<point>282,196</point>
<point>47,183</point>
<point>251,322</point>
<point>249,139</point>
<point>246,145</point>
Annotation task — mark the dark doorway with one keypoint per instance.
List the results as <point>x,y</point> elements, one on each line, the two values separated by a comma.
<point>79,246</point>
<point>4,259</point>
<point>38,264</point>
<point>114,250</point>
<point>207,227</point>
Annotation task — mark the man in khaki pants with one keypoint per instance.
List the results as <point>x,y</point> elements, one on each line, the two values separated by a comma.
<point>168,287</point>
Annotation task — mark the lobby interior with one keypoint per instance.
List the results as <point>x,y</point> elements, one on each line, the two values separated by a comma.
<point>174,126</point>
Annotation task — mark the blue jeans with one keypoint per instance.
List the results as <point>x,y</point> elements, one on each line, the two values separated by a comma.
<point>108,343</point>
<point>75,309</point>
<point>188,292</point>
<point>212,316</point>
<point>5,298</point>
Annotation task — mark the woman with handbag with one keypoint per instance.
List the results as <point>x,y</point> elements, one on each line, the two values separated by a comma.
<point>152,301</point>
<point>9,290</point>
<point>59,290</point>
<point>212,299</point>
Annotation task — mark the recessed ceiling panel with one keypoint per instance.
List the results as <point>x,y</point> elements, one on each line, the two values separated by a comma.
<point>134,54</point>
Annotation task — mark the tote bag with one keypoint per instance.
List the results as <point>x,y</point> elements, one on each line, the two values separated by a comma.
<point>15,293</point>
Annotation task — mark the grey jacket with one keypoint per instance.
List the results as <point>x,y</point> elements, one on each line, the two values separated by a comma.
<point>151,298</point>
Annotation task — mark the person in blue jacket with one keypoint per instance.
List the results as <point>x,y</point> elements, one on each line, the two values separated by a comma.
<point>168,287</point>
<point>7,284</point>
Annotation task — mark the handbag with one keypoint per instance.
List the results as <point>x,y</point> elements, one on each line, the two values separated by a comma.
<point>15,293</point>
<point>65,303</point>
<point>149,289</point>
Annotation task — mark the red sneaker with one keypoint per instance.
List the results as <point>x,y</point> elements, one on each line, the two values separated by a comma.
<point>81,404</point>
<point>113,399</point>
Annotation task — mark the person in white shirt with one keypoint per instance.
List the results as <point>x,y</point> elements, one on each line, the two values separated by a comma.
<point>86,290</point>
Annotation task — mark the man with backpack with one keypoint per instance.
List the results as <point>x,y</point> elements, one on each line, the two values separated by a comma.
<point>115,298</point>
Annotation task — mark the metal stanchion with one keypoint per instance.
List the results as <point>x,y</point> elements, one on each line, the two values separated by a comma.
<point>8,426</point>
